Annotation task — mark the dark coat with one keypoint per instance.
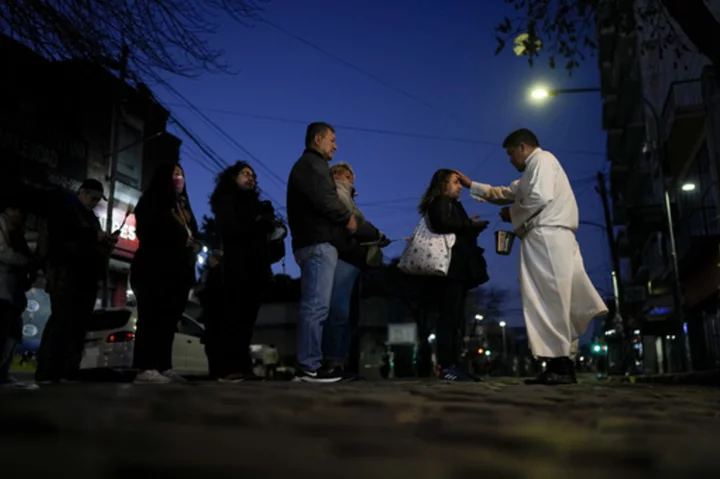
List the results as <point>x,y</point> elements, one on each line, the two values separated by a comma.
<point>315,213</point>
<point>467,264</point>
<point>243,224</point>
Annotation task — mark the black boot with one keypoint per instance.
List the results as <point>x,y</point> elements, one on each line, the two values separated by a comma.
<point>560,371</point>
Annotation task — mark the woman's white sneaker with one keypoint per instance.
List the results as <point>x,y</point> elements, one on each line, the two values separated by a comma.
<point>152,377</point>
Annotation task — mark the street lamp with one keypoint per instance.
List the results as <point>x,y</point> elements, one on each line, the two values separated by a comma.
<point>539,93</point>
<point>502,327</point>
<point>479,317</point>
<point>688,187</point>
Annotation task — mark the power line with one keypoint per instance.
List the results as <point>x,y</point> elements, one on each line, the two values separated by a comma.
<point>232,141</point>
<point>352,66</point>
<point>378,131</point>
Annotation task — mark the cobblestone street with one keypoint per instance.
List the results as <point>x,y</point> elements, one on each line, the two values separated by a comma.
<point>372,429</point>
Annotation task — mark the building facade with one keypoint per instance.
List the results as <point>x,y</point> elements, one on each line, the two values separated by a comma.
<point>662,119</point>
<point>55,131</point>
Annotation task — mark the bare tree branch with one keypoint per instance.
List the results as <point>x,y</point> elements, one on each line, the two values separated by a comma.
<point>165,36</point>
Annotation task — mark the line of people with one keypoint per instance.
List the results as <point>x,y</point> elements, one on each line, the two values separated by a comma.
<point>332,242</point>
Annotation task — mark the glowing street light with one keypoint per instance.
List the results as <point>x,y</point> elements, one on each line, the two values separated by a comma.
<point>688,187</point>
<point>479,317</point>
<point>503,324</point>
<point>539,93</point>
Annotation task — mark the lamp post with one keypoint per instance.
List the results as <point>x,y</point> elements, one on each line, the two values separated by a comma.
<point>502,327</point>
<point>541,93</point>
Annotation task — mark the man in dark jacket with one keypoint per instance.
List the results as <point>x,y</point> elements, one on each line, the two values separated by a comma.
<point>77,260</point>
<point>320,225</point>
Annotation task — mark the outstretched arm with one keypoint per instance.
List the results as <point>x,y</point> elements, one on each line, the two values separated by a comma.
<point>497,195</point>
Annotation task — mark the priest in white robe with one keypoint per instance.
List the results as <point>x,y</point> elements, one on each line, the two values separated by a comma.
<point>559,300</point>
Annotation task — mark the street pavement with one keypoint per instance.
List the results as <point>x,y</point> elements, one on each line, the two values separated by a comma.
<point>389,429</point>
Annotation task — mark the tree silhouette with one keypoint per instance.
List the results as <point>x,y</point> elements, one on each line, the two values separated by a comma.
<point>164,36</point>
<point>565,29</point>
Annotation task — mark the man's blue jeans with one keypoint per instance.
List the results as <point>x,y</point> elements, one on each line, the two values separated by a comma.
<point>317,266</point>
<point>337,333</point>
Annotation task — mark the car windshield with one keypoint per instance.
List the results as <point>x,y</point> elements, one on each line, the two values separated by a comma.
<point>109,319</point>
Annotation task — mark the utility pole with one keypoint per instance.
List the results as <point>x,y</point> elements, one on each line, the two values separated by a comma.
<point>114,150</point>
<point>629,364</point>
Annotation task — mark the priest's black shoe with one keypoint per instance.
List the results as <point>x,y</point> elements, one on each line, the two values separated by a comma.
<point>559,372</point>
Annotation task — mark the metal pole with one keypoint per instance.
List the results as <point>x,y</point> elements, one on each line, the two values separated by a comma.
<point>574,90</point>
<point>114,140</point>
<point>677,286</point>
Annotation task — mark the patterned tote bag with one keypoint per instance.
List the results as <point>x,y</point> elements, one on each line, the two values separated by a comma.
<point>427,253</point>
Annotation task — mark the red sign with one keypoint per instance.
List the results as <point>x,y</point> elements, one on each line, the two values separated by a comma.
<point>128,242</point>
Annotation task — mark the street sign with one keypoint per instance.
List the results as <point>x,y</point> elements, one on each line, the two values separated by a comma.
<point>402,333</point>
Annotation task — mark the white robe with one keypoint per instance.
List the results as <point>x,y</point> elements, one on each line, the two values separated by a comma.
<point>558,298</point>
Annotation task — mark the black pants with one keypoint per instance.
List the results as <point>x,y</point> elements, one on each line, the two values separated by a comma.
<point>229,329</point>
<point>160,307</point>
<point>63,340</point>
<point>451,303</point>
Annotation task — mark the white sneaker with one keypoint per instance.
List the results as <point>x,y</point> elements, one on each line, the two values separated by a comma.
<point>12,383</point>
<point>173,376</point>
<point>152,377</point>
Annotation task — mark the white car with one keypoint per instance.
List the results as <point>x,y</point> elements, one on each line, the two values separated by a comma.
<point>109,343</point>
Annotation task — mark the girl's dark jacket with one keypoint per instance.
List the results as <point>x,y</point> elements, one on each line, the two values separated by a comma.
<point>446,215</point>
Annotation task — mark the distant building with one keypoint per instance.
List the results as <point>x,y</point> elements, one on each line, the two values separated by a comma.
<point>55,124</point>
<point>651,108</point>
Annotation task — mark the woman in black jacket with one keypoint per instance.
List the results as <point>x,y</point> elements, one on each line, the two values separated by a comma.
<point>163,271</point>
<point>243,224</point>
<point>445,214</point>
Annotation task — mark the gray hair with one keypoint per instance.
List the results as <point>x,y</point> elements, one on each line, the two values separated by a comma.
<point>338,168</point>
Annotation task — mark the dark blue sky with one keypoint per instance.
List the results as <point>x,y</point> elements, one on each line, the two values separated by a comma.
<point>435,75</point>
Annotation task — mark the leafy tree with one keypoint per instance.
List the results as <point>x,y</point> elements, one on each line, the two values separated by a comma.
<point>565,29</point>
<point>163,36</point>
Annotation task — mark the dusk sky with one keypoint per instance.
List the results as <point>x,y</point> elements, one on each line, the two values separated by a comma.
<point>424,77</point>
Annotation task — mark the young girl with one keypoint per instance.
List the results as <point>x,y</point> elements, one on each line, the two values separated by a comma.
<point>445,214</point>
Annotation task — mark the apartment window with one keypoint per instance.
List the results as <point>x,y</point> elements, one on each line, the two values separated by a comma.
<point>129,168</point>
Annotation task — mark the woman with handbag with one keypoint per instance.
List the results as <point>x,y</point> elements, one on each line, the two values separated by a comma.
<point>464,266</point>
<point>248,231</point>
<point>163,271</point>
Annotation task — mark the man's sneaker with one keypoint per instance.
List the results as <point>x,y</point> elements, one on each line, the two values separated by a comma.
<point>174,377</point>
<point>152,377</point>
<point>318,376</point>
<point>348,376</point>
<point>455,375</point>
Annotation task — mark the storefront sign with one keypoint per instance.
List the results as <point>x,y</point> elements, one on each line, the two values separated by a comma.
<point>128,242</point>
<point>60,159</point>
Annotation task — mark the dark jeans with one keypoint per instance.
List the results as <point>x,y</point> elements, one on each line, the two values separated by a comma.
<point>63,340</point>
<point>160,307</point>
<point>451,302</point>
<point>229,329</point>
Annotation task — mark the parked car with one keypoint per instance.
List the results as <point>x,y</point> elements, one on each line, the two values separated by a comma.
<point>110,340</point>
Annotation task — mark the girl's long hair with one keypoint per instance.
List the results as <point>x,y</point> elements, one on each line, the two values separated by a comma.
<point>225,184</point>
<point>436,188</point>
<point>161,192</point>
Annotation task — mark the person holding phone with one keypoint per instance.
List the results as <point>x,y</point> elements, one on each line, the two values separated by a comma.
<point>444,215</point>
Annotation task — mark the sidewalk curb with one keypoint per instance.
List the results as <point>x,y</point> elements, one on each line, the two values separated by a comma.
<point>700,378</point>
